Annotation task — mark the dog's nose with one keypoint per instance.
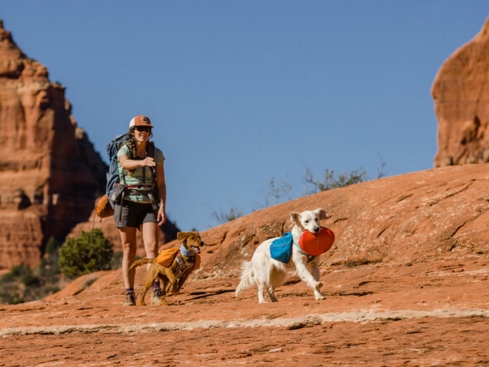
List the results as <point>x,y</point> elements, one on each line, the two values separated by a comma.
<point>316,230</point>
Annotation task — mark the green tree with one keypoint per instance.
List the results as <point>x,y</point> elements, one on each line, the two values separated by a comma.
<point>88,253</point>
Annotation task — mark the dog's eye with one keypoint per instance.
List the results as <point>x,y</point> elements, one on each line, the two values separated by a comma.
<point>306,221</point>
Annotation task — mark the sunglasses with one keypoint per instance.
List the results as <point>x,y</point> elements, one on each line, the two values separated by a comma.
<point>143,128</point>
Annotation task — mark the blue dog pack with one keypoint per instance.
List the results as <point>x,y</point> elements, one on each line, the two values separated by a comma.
<point>281,248</point>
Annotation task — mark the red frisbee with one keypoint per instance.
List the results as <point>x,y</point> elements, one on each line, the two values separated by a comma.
<point>316,243</point>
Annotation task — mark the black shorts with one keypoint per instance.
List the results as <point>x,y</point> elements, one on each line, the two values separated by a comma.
<point>133,214</point>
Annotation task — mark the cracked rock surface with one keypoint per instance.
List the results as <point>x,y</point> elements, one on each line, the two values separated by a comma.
<point>406,283</point>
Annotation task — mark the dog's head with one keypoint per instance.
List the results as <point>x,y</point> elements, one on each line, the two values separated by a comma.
<point>308,220</point>
<point>191,241</point>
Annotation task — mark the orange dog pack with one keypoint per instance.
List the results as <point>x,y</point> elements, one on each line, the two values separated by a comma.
<point>166,257</point>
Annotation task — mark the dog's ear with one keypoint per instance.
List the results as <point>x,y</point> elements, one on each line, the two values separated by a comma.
<point>182,236</point>
<point>322,213</point>
<point>295,218</point>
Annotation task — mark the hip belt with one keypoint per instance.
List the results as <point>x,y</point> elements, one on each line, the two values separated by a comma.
<point>143,190</point>
<point>146,187</point>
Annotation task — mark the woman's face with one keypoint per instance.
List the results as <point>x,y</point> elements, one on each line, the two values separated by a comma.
<point>141,133</point>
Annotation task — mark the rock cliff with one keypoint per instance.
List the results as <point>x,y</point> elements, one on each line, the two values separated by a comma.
<point>50,174</point>
<point>49,171</point>
<point>461,96</point>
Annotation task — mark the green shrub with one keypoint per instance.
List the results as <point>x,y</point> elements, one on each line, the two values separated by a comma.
<point>48,270</point>
<point>13,285</point>
<point>86,254</point>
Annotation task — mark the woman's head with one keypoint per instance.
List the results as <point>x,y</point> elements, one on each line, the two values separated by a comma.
<point>140,127</point>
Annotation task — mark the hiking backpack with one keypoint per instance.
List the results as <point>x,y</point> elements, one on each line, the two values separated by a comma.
<point>105,206</point>
<point>113,173</point>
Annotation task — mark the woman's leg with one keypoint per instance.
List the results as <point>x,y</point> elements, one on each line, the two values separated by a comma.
<point>150,239</point>
<point>129,247</point>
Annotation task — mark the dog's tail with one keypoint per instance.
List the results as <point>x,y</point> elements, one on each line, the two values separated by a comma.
<point>247,278</point>
<point>140,262</point>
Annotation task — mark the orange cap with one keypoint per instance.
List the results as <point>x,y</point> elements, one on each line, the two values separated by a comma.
<point>140,120</point>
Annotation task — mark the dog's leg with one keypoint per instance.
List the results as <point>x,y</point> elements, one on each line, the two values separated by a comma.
<point>173,281</point>
<point>315,270</point>
<point>318,295</point>
<point>182,280</point>
<point>262,279</point>
<point>315,273</point>
<point>306,276</point>
<point>261,299</point>
<point>271,294</point>
<point>277,278</point>
<point>165,285</point>
<point>147,285</point>
<point>162,278</point>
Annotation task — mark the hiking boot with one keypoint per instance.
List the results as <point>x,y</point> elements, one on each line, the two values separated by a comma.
<point>155,296</point>
<point>130,299</point>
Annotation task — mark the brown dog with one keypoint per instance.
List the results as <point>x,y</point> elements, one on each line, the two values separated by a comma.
<point>185,261</point>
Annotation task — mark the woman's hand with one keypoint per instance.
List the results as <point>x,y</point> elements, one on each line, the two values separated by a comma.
<point>148,162</point>
<point>161,216</point>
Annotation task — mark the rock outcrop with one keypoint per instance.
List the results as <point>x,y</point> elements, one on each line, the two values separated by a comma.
<point>50,174</point>
<point>49,171</point>
<point>405,284</point>
<point>461,96</point>
<point>396,220</point>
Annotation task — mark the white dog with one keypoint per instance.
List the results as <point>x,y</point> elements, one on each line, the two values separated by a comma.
<point>265,272</point>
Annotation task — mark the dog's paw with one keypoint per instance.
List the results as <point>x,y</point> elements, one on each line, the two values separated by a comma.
<point>320,298</point>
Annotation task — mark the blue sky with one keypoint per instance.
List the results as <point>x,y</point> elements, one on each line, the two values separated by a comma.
<point>245,92</point>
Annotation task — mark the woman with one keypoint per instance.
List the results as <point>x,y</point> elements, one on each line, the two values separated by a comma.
<point>143,203</point>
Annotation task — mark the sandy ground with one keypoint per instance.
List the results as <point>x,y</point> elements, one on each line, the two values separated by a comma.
<point>422,314</point>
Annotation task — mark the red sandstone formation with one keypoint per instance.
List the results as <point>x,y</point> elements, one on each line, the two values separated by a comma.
<point>406,283</point>
<point>49,170</point>
<point>50,173</point>
<point>461,99</point>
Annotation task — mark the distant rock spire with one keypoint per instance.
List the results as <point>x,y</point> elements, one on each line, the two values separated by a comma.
<point>461,96</point>
<point>49,175</point>
<point>8,48</point>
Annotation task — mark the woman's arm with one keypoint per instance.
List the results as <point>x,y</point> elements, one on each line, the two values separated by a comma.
<point>160,180</point>
<point>132,164</point>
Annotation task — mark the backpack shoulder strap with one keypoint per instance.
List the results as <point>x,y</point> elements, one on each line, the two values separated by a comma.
<point>151,149</point>
<point>151,153</point>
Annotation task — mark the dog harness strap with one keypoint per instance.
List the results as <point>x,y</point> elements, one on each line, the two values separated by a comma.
<point>309,257</point>
<point>184,265</point>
